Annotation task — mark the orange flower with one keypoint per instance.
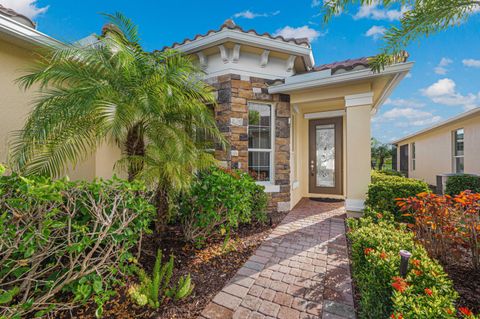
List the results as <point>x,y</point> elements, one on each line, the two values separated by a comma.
<point>396,316</point>
<point>449,311</point>
<point>367,251</point>
<point>399,284</point>
<point>416,262</point>
<point>417,272</point>
<point>465,311</point>
<point>383,255</point>
<point>379,216</point>
<point>428,291</point>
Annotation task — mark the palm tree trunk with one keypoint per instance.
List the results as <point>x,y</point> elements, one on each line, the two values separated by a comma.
<point>381,162</point>
<point>161,202</point>
<point>135,146</point>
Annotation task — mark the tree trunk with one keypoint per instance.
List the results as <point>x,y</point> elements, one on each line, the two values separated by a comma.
<point>161,202</point>
<point>135,146</point>
<point>381,162</point>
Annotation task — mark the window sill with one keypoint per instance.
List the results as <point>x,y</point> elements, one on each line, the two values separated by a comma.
<point>269,187</point>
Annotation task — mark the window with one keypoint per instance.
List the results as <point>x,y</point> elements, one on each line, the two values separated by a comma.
<point>260,141</point>
<point>413,156</point>
<point>458,151</point>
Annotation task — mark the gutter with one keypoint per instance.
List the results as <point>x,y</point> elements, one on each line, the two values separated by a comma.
<point>321,78</point>
<point>27,34</point>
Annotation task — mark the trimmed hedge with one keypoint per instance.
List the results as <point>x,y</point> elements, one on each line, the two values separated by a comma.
<point>425,293</point>
<point>459,183</point>
<point>385,189</point>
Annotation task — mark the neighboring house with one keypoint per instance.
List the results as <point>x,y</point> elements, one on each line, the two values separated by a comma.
<point>450,147</point>
<point>301,130</point>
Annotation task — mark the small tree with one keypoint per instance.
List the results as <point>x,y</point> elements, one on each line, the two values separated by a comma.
<point>380,152</point>
<point>153,106</point>
<point>421,18</point>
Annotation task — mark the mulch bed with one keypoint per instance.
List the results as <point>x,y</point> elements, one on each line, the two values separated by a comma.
<point>210,268</point>
<point>466,282</point>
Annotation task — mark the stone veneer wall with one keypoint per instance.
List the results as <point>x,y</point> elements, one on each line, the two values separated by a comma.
<point>233,94</point>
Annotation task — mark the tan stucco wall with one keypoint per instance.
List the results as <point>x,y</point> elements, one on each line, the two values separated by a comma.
<point>15,105</point>
<point>358,151</point>
<point>434,150</point>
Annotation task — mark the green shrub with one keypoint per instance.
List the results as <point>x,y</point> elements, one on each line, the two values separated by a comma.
<point>390,172</point>
<point>384,190</point>
<point>218,201</point>
<point>459,183</point>
<point>60,237</point>
<point>426,292</point>
<point>152,290</point>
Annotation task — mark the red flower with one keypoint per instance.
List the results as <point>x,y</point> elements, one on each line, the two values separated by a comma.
<point>367,251</point>
<point>399,284</point>
<point>383,255</point>
<point>465,311</point>
<point>416,262</point>
<point>428,291</point>
<point>417,272</point>
<point>396,316</point>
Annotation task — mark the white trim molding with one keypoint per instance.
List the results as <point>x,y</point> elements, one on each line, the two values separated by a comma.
<point>228,35</point>
<point>25,33</point>
<point>359,99</point>
<point>354,205</point>
<point>269,187</point>
<point>324,115</point>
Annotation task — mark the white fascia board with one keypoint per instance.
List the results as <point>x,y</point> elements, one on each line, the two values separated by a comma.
<point>248,39</point>
<point>320,80</point>
<point>22,32</point>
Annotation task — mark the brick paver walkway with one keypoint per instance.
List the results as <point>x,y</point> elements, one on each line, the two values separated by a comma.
<point>300,271</point>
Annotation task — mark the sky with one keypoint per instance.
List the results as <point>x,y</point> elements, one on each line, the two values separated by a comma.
<point>444,81</point>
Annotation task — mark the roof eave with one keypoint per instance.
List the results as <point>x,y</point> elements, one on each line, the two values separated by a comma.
<point>319,79</point>
<point>24,33</point>
<point>438,125</point>
<point>248,39</point>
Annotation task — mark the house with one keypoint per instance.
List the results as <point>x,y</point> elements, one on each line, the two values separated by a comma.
<point>302,130</point>
<point>449,147</point>
<point>20,44</point>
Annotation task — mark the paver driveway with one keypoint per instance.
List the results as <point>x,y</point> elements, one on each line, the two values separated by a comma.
<point>300,271</point>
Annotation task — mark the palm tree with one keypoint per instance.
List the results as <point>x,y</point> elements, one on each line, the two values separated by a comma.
<point>113,91</point>
<point>380,152</point>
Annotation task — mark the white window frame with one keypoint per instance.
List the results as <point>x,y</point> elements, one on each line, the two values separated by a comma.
<point>270,184</point>
<point>414,155</point>
<point>454,150</point>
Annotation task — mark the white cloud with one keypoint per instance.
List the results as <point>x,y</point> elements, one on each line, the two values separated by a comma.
<point>441,68</point>
<point>472,63</point>
<point>373,11</point>
<point>406,116</point>
<point>247,14</point>
<point>300,32</point>
<point>410,103</point>
<point>376,32</point>
<point>444,92</point>
<point>28,8</point>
